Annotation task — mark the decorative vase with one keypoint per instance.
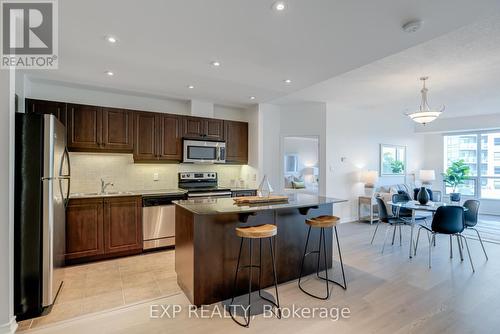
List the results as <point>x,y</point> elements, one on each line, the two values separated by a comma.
<point>265,188</point>
<point>455,197</point>
<point>423,196</point>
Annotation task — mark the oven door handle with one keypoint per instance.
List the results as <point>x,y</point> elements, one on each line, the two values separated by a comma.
<point>220,193</point>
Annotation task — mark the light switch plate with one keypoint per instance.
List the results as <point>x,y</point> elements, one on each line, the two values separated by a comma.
<point>156,177</point>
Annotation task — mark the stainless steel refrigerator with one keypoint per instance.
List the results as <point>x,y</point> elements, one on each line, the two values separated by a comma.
<point>42,184</point>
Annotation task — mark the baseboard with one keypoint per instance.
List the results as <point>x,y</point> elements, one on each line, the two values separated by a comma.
<point>9,327</point>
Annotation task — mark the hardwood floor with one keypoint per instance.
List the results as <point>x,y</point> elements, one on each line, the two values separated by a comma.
<point>387,293</point>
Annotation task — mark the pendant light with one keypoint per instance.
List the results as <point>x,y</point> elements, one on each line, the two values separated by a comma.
<point>425,114</point>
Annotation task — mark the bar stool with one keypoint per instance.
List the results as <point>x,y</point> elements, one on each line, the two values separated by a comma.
<point>322,222</point>
<point>255,232</point>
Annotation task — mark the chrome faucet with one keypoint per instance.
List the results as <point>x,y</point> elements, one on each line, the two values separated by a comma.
<point>104,185</point>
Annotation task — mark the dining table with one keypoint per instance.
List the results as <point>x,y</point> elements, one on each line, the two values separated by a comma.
<point>415,206</point>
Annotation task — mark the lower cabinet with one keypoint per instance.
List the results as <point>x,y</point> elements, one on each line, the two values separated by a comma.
<point>103,227</point>
<point>122,224</point>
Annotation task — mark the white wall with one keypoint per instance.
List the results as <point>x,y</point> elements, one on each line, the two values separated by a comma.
<point>269,144</point>
<point>7,88</point>
<point>356,136</point>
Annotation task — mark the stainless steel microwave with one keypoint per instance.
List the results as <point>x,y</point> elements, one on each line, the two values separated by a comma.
<point>199,151</point>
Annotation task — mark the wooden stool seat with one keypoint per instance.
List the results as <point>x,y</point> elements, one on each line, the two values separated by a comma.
<point>323,221</point>
<point>257,232</point>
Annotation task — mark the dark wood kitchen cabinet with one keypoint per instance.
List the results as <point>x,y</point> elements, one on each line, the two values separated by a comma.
<point>97,129</point>
<point>170,138</point>
<point>157,137</point>
<point>98,228</point>
<point>84,128</point>
<point>236,138</point>
<point>84,228</point>
<point>57,109</point>
<point>206,128</point>
<point>117,130</point>
<point>122,224</point>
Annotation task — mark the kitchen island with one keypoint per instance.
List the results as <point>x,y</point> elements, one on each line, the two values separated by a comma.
<point>207,247</point>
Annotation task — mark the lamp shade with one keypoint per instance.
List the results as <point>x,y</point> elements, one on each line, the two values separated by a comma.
<point>308,171</point>
<point>427,175</point>
<point>369,178</point>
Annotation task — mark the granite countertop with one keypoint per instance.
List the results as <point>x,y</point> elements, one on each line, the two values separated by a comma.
<point>128,193</point>
<point>212,206</point>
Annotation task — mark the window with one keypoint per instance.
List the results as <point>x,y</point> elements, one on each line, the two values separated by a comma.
<point>291,163</point>
<point>481,153</point>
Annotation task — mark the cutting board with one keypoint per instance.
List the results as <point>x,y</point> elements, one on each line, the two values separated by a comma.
<point>260,200</point>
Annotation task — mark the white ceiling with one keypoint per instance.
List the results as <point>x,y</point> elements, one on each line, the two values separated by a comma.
<point>166,45</point>
<point>463,66</point>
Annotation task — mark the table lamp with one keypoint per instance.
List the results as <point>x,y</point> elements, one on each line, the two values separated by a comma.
<point>426,176</point>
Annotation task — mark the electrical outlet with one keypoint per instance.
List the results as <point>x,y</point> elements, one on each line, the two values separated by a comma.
<point>156,177</point>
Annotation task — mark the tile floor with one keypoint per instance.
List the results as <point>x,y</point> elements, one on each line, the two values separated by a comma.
<point>111,284</point>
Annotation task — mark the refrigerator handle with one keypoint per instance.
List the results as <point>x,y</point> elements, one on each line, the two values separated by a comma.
<point>65,177</point>
<point>65,198</point>
<point>65,157</point>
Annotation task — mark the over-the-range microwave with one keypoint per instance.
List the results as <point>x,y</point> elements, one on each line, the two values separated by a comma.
<point>200,151</point>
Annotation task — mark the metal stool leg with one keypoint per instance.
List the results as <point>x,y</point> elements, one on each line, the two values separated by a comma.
<point>304,255</point>
<point>322,241</point>
<point>277,303</point>
<point>246,317</point>
<point>340,258</point>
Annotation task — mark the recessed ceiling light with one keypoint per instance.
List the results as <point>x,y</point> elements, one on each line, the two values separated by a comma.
<point>279,6</point>
<point>110,73</point>
<point>287,81</point>
<point>111,39</point>
<point>215,63</point>
<point>252,97</point>
<point>190,86</point>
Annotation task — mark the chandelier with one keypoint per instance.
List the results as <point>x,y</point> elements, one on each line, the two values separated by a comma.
<point>425,114</point>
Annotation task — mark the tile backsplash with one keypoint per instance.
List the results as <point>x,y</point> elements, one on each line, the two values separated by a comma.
<point>87,169</point>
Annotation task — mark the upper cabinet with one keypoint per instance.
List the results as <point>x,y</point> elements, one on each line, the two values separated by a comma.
<point>236,137</point>
<point>145,137</point>
<point>157,137</point>
<point>117,129</point>
<point>205,128</point>
<point>84,128</point>
<point>57,109</point>
<point>170,138</point>
<point>98,129</point>
<point>150,136</point>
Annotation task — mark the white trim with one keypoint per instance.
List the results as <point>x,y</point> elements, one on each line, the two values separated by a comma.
<point>9,327</point>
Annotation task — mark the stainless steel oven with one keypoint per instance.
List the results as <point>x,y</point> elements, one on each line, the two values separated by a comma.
<point>199,151</point>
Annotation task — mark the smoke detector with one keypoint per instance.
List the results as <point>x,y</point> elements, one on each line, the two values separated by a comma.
<point>413,26</point>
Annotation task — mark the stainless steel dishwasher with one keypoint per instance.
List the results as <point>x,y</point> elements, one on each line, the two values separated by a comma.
<point>158,220</point>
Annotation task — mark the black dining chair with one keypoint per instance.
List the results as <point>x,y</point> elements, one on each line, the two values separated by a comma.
<point>471,219</point>
<point>384,217</point>
<point>448,220</point>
